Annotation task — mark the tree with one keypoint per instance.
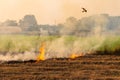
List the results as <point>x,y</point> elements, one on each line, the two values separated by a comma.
<point>28,22</point>
<point>69,26</point>
<point>10,23</point>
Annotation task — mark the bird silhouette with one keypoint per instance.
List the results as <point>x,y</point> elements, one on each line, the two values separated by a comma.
<point>84,10</point>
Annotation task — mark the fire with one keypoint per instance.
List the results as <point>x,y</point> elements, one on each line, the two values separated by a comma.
<point>73,56</point>
<point>41,55</point>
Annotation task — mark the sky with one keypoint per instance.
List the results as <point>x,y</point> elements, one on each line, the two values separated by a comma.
<point>56,11</point>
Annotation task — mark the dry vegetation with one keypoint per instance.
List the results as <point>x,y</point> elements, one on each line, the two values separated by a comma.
<point>96,67</point>
<point>56,44</point>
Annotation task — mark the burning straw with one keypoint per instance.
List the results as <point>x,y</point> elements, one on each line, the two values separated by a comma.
<point>41,55</point>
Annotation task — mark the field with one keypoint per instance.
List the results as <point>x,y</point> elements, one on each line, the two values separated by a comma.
<point>89,67</point>
<point>59,44</point>
<point>100,58</point>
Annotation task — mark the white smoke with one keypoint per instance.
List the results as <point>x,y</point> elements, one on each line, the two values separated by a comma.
<point>57,48</point>
<point>20,56</point>
<point>80,45</point>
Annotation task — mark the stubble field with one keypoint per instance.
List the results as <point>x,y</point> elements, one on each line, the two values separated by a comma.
<point>89,67</point>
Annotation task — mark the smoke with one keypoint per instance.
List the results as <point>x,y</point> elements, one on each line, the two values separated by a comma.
<point>101,24</point>
<point>57,48</point>
<point>18,57</point>
<point>84,36</point>
<point>65,46</point>
<point>90,35</point>
<point>61,47</point>
<point>69,26</point>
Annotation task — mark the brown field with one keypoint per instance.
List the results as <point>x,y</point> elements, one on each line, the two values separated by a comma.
<point>90,67</point>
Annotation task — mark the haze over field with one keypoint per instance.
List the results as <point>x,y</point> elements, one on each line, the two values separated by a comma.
<point>61,24</point>
<point>49,11</point>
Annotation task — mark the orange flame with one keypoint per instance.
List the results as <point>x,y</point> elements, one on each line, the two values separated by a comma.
<point>41,55</point>
<point>73,56</point>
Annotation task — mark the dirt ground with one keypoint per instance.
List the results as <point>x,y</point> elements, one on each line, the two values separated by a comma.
<point>90,67</point>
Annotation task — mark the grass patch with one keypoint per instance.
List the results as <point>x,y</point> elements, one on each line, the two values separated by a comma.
<point>22,43</point>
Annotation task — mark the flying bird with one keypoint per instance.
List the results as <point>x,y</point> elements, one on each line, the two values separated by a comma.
<point>84,10</point>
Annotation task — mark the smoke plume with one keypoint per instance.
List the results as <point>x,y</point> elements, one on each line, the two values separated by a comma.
<point>79,36</point>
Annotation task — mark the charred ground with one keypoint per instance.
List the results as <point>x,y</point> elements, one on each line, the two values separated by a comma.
<point>97,67</point>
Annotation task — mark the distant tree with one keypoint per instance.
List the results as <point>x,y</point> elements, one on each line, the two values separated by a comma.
<point>69,26</point>
<point>9,23</point>
<point>28,22</point>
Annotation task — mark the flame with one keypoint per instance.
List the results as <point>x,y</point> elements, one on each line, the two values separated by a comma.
<point>73,56</point>
<point>41,55</point>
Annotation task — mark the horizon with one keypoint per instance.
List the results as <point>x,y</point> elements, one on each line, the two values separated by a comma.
<point>55,22</point>
<point>56,11</point>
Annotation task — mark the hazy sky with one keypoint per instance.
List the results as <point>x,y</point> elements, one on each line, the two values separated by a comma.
<point>49,11</point>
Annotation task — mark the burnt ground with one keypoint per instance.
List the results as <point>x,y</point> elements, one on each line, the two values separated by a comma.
<point>90,67</point>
